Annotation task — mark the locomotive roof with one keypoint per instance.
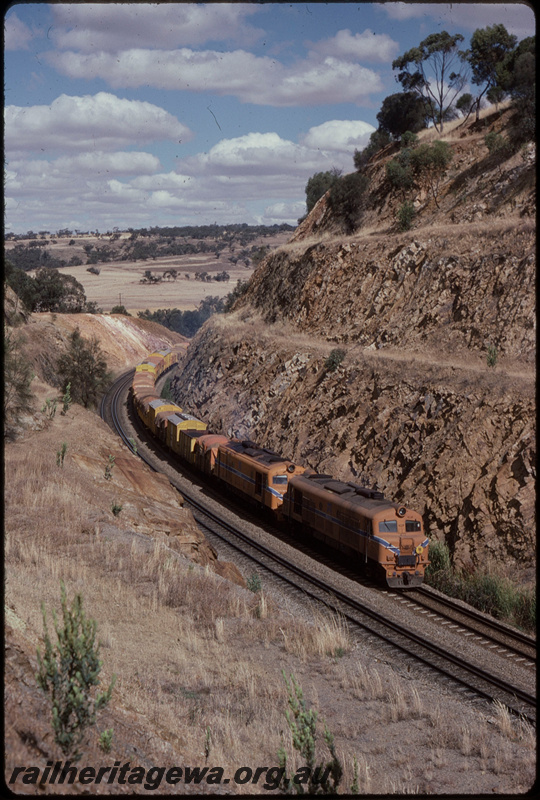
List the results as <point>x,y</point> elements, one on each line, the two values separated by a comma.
<point>261,454</point>
<point>350,492</point>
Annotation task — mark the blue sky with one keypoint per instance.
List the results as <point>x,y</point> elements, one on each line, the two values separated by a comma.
<point>134,115</point>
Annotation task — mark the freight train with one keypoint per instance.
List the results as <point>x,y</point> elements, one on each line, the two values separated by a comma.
<point>370,529</point>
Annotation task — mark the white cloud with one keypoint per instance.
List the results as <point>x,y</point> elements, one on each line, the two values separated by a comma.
<point>253,79</point>
<point>252,156</point>
<point>283,212</point>
<point>517,17</point>
<point>99,122</point>
<point>366,46</point>
<point>17,35</point>
<point>343,136</point>
<point>113,27</point>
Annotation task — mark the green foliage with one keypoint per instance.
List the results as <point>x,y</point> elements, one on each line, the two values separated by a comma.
<point>105,740</point>
<point>120,309</point>
<point>408,139</point>
<point>109,467</point>
<point>489,49</point>
<point>492,356</point>
<point>68,673</point>
<point>116,508</point>
<point>18,376</point>
<point>492,594</point>
<point>377,141</point>
<point>346,199</point>
<point>435,71</point>
<point>133,444</point>
<point>207,742</point>
<point>84,368</point>
<point>48,290</point>
<point>399,172</point>
<point>334,359</point>
<point>496,143</point>
<point>49,409</point>
<point>61,454</point>
<point>429,164</point>
<point>253,583</point>
<point>187,323</point>
<point>401,112</point>
<point>66,399</point>
<point>166,392</point>
<point>405,215</point>
<point>321,778</point>
<point>318,185</point>
<point>516,74</point>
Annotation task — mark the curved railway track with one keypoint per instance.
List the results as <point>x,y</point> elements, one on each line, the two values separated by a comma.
<point>412,646</point>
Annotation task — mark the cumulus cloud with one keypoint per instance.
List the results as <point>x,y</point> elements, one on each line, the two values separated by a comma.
<point>99,122</point>
<point>343,136</point>
<point>254,155</point>
<point>113,27</point>
<point>253,79</point>
<point>518,18</point>
<point>17,35</point>
<point>366,46</point>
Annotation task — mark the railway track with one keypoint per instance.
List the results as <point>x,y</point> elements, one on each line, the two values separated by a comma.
<point>412,646</point>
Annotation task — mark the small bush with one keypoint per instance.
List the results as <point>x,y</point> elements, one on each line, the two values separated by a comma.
<point>254,583</point>
<point>496,143</point>
<point>116,508</point>
<point>313,778</point>
<point>105,740</point>
<point>109,468</point>
<point>69,671</point>
<point>346,199</point>
<point>492,356</point>
<point>61,454</point>
<point>334,360</point>
<point>405,215</point>
<point>491,594</point>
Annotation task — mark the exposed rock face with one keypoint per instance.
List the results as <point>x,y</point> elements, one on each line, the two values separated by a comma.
<point>457,444</point>
<point>461,290</point>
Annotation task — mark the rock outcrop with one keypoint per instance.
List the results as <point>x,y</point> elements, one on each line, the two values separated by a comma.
<point>458,444</point>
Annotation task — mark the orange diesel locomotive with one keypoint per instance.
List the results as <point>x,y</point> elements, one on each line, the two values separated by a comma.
<point>359,522</point>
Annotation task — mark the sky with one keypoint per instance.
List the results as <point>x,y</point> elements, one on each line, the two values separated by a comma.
<point>137,115</point>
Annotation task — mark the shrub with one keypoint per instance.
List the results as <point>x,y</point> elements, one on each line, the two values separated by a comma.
<point>406,213</point>
<point>116,508</point>
<point>323,778</point>
<point>334,359</point>
<point>84,368</point>
<point>105,740</point>
<point>61,454</point>
<point>495,142</point>
<point>68,673</point>
<point>109,468</point>
<point>492,356</point>
<point>253,583</point>
<point>18,376</point>
<point>409,139</point>
<point>346,199</point>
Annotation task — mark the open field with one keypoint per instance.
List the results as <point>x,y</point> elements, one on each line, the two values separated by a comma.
<point>119,281</point>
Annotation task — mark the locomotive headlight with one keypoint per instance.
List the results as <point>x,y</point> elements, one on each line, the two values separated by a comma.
<point>419,550</point>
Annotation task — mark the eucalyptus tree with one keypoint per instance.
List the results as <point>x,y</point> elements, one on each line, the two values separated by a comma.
<point>437,71</point>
